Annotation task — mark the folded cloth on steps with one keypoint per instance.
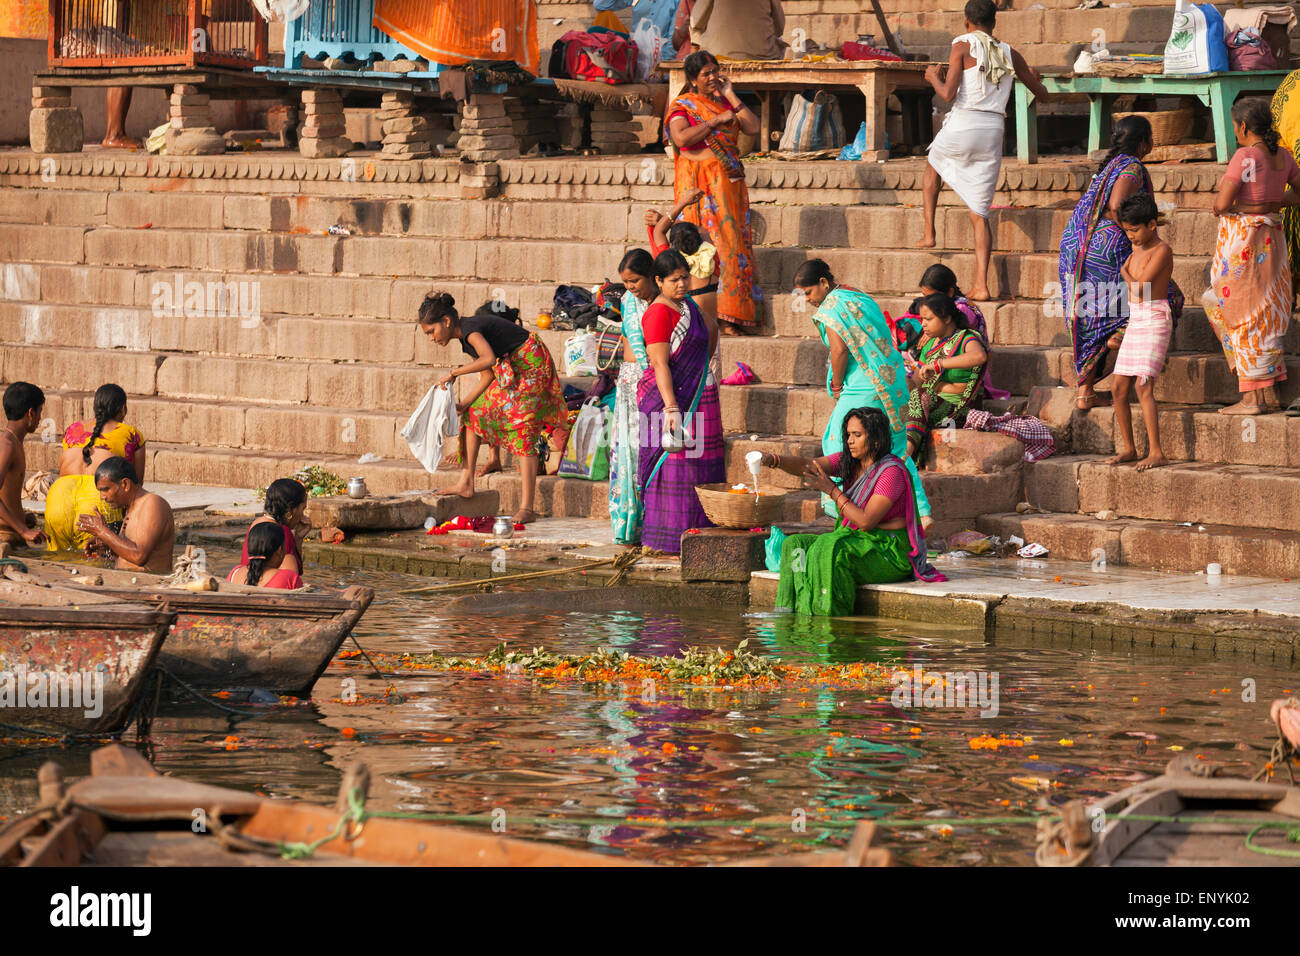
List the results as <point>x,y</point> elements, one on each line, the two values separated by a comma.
<point>37,484</point>
<point>430,424</point>
<point>1255,18</point>
<point>1030,430</point>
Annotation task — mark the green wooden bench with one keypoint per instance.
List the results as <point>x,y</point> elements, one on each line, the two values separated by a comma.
<point>1218,91</point>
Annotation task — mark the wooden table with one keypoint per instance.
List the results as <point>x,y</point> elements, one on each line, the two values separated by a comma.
<point>876,79</point>
<point>1218,91</point>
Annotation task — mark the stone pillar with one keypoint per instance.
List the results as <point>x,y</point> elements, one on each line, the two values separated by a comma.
<point>612,131</point>
<point>321,136</point>
<point>486,134</point>
<point>192,132</point>
<point>406,132</point>
<point>55,125</point>
<point>479,180</point>
<point>282,120</point>
<point>569,126</point>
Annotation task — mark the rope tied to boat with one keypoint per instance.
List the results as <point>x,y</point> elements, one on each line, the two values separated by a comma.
<point>355,813</point>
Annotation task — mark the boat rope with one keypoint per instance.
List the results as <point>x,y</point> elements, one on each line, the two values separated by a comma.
<point>1282,754</point>
<point>204,698</point>
<point>13,563</point>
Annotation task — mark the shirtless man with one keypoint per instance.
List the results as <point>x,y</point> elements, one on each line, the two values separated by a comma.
<point>23,404</point>
<point>148,535</point>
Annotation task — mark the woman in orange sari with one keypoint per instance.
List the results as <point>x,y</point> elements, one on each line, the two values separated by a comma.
<point>704,124</point>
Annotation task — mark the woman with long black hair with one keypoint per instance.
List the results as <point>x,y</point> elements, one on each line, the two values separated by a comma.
<point>284,509</point>
<point>879,537</point>
<point>263,566</point>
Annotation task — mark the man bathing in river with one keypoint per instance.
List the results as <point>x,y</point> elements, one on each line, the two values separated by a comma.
<point>23,404</point>
<point>148,535</point>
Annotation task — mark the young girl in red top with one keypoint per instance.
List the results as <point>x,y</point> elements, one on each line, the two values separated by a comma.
<point>265,552</point>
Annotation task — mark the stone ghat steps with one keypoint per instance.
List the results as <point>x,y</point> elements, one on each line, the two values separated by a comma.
<point>423,263</point>
<point>1187,432</point>
<point>1191,232</point>
<point>1159,545</point>
<point>1240,496</point>
<point>134,349</point>
<point>302,317</point>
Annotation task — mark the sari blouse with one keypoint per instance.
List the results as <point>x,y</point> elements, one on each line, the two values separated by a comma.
<point>893,484</point>
<point>935,349</point>
<point>122,439</point>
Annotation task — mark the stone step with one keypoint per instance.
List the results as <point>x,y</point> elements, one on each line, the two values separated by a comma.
<point>1187,432</point>
<point>1020,229</point>
<point>1188,379</point>
<point>1158,545</point>
<point>297,317</point>
<point>1242,496</point>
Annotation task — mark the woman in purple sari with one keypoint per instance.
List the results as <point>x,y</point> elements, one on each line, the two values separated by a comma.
<point>677,390</point>
<point>1093,251</point>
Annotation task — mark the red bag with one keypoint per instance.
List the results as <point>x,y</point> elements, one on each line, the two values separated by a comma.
<point>599,57</point>
<point>1248,51</point>
<point>853,50</point>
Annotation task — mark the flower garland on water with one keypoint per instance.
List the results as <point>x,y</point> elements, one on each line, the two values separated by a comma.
<point>739,667</point>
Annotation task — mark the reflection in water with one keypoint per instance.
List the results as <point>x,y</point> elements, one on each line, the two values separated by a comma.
<point>583,764</point>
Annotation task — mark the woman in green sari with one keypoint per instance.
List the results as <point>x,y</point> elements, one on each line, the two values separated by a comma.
<point>879,538</point>
<point>866,369</point>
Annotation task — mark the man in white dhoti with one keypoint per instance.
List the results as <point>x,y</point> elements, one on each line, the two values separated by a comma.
<point>967,153</point>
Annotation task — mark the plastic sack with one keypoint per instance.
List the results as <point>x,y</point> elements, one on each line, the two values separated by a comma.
<point>772,556</point>
<point>649,48</point>
<point>1196,41</point>
<point>433,420</point>
<point>580,354</point>
<point>587,453</point>
<point>280,11</point>
<point>853,152</point>
<point>812,125</point>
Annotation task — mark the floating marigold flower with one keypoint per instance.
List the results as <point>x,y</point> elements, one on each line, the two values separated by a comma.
<point>669,748</point>
<point>1066,742</point>
<point>348,732</point>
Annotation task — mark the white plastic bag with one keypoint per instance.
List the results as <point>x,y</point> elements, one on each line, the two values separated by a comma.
<point>1196,40</point>
<point>280,11</point>
<point>434,420</point>
<point>649,48</point>
<point>580,354</point>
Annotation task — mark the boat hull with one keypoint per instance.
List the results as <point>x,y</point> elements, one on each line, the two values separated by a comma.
<point>71,670</point>
<point>236,637</point>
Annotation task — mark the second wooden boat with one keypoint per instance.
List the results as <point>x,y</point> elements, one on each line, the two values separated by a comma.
<point>125,814</point>
<point>234,637</point>
<point>74,663</point>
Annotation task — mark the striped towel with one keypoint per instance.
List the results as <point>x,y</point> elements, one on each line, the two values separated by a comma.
<point>1146,340</point>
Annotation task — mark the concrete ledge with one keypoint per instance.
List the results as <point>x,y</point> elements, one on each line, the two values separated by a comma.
<point>396,512</point>
<point>723,554</point>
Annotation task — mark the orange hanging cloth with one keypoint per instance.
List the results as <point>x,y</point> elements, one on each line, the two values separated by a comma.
<point>451,32</point>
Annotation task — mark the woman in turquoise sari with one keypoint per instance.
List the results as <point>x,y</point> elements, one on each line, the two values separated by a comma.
<point>866,369</point>
<point>626,511</point>
<point>879,537</point>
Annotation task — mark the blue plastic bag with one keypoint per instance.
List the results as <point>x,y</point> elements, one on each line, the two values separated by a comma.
<point>772,558</point>
<point>854,150</point>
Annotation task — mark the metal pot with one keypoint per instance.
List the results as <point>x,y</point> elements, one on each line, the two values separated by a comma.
<point>357,487</point>
<point>503,527</point>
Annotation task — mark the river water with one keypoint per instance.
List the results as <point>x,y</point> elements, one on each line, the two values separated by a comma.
<point>587,767</point>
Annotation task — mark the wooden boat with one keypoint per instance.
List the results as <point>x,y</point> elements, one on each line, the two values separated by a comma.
<point>125,814</point>
<point>82,659</point>
<point>232,637</point>
<point>1188,816</point>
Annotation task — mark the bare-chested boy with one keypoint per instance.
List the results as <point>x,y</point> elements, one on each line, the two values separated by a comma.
<point>1142,353</point>
<point>23,404</point>
<point>148,535</point>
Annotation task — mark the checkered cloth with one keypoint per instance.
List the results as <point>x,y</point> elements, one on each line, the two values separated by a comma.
<point>1030,430</point>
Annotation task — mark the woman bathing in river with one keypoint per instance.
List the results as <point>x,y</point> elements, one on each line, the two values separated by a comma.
<point>285,507</point>
<point>879,538</point>
<point>265,560</point>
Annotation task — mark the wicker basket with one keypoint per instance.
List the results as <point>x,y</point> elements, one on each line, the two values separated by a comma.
<point>1168,127</point>
<point>728,510</point>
